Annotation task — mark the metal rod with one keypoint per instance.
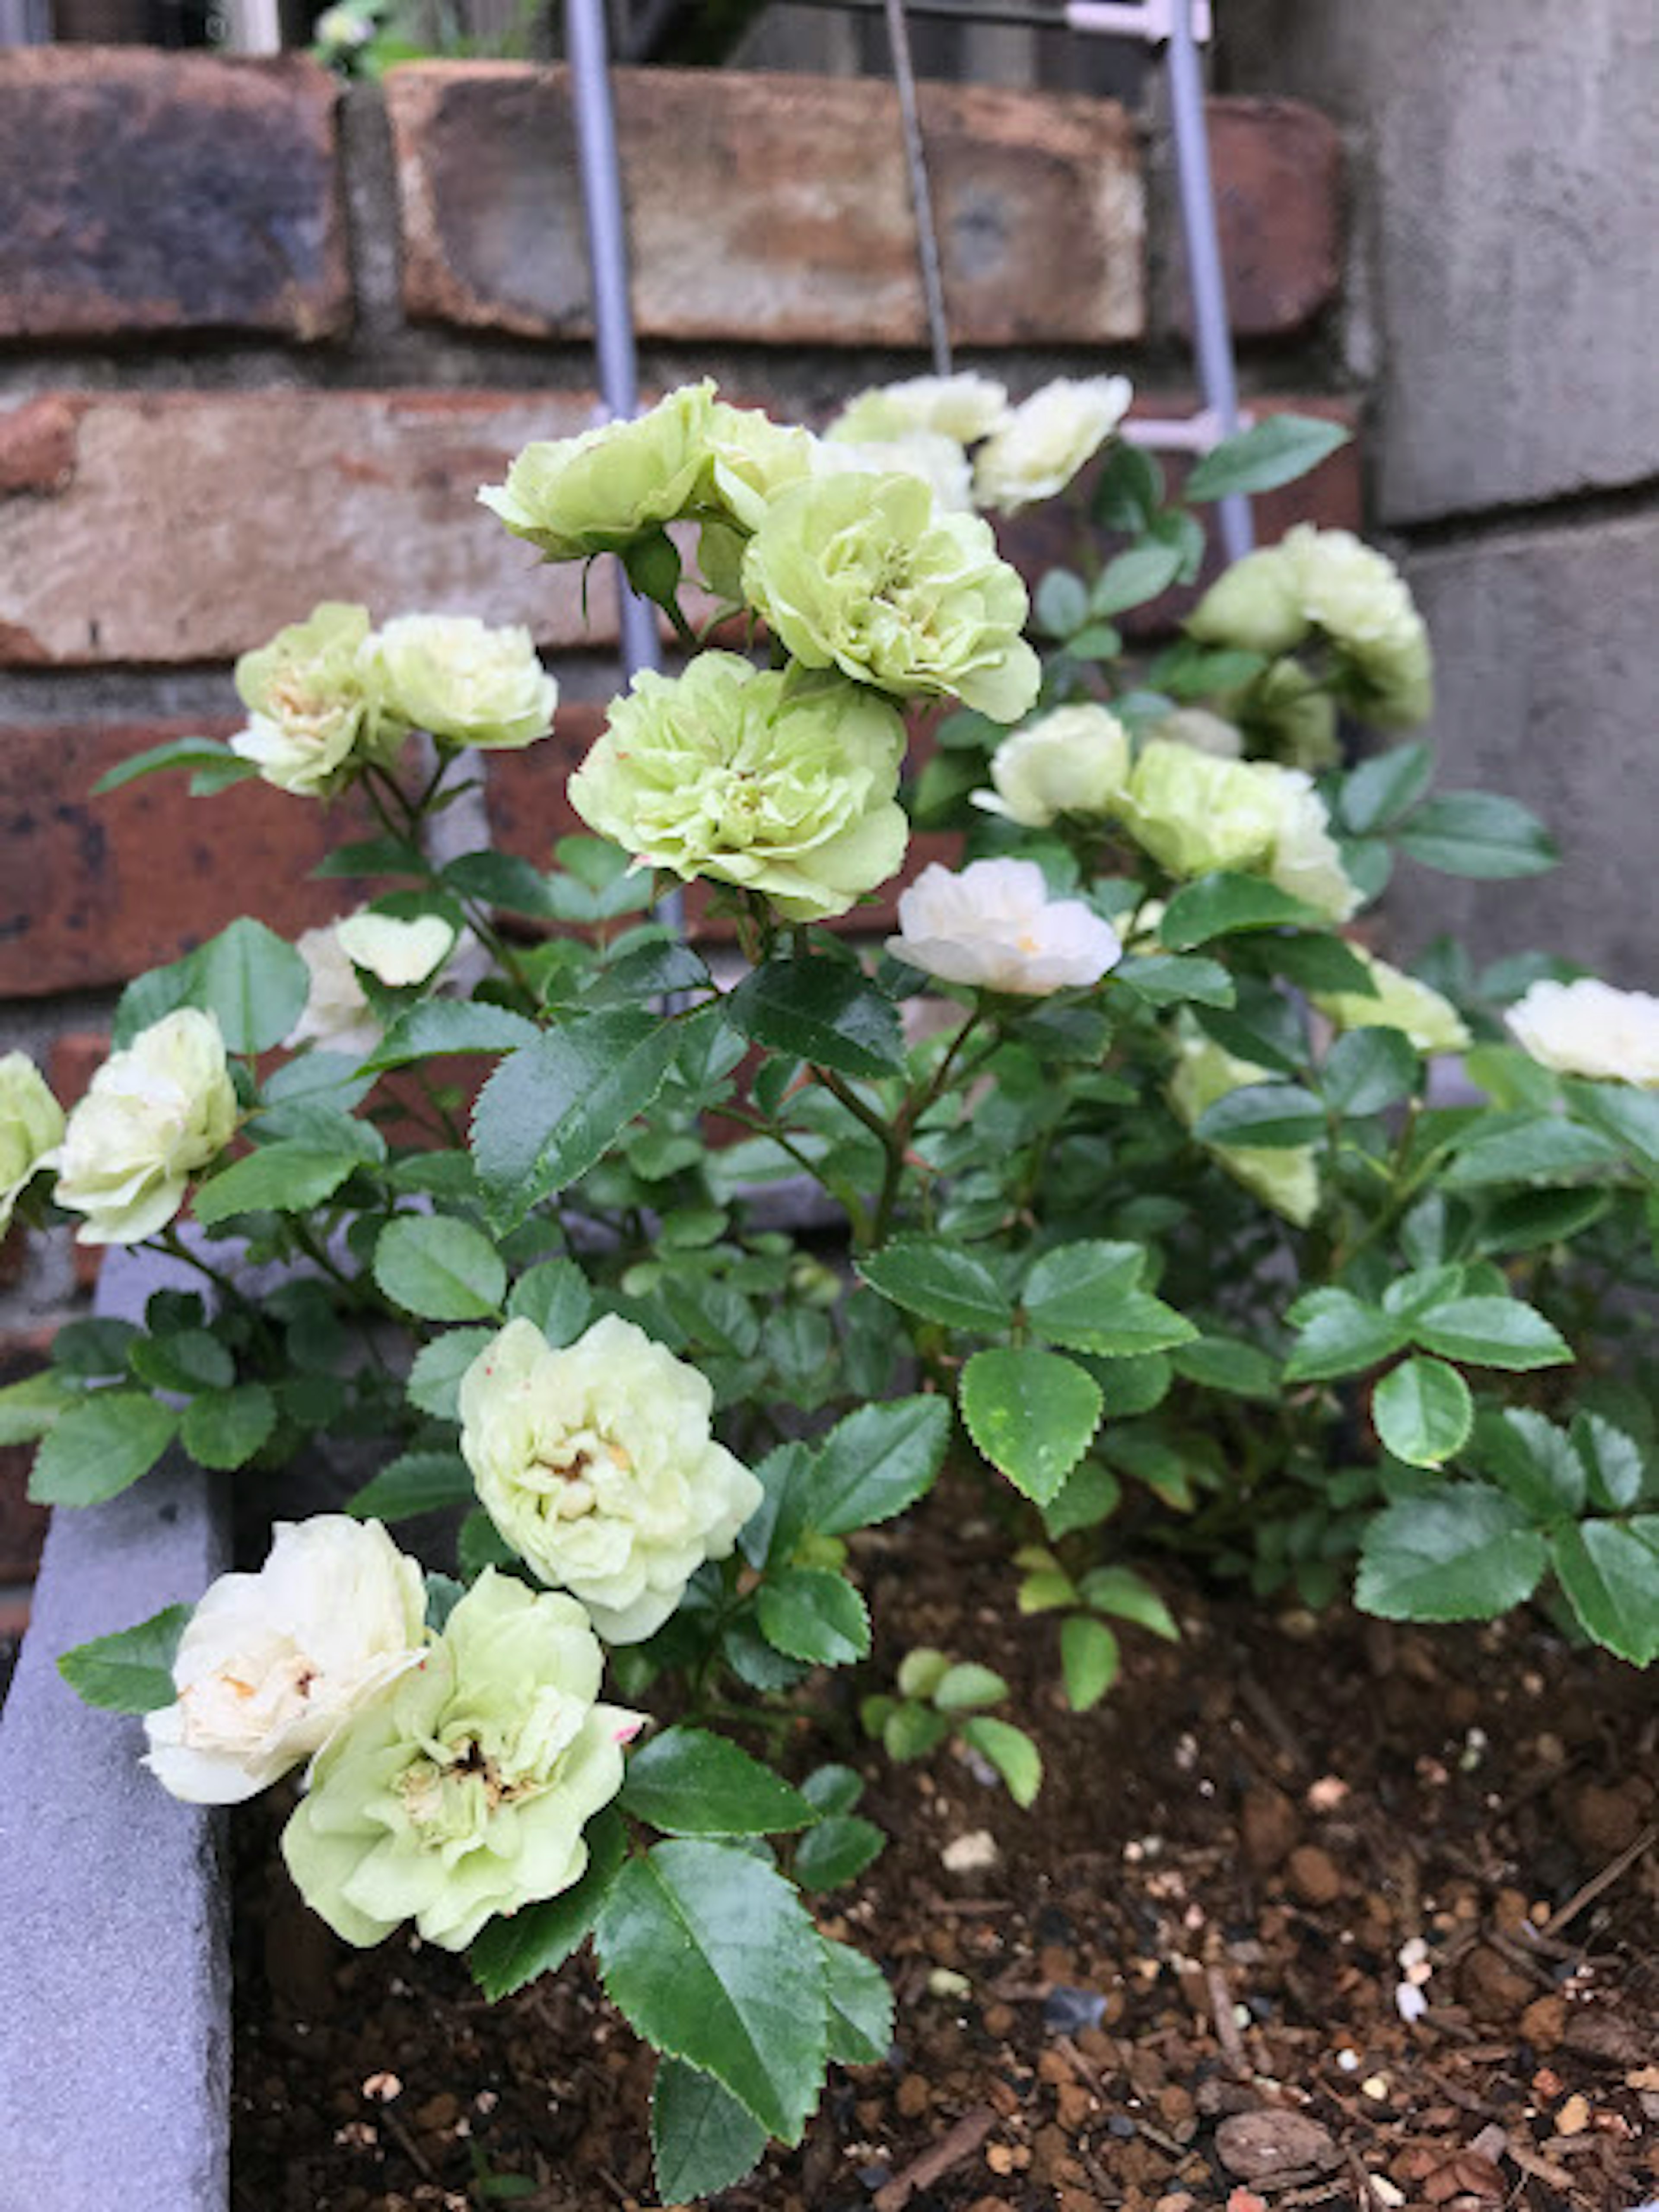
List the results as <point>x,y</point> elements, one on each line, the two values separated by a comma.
<point>1204,275</point>
<point>922,199</point>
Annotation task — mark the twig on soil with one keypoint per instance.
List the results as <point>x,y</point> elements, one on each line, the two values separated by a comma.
<point>1275,1721</point>
<point>411,2150</point>
<point>962,2142</point>
<point>1226,2025</point>
<point>1609,1874</point>
<point>1365,2197</point>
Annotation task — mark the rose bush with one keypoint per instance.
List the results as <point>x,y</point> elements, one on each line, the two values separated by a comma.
<point>1154,1220</point>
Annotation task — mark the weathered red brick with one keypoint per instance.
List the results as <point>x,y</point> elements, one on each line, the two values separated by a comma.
<point>37,444</point>
<point>23,1526</point>
<point>93,891</point>
<point>191,525</point>
<point>1277,168</point>
<point>143,191</point>
<point>772,208</point>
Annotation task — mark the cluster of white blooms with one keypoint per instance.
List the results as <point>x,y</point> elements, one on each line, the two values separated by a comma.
<point>1590,1028</point>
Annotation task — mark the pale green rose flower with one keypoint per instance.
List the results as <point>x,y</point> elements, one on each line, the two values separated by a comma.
<point>1590,1028</point>
<point>1306,861</point>
<point>336,1015</point>
<point>317,714</point>
<point>1423,1016</point>
<point>752,458</point>
<point>1290,711</point>
<point>1362,603</point>
<point>993,927</point>
<point>598,492</point>
<point>777,781</point>
<point>966,407</point>
<point>454,677</point>
<point>858,572</point>
<point>599,1466</point>
<point>1193,812</point>
<point>1204,732</point>
<point>1047,439</point>
<point>153,1115</point>
<point>1255,606</point>
<point>398,954</point>
<point>270,1665</point>
<point>1391,685</point>
<point>940,462</point>
<point>1285,1177</point>
<point>462,1790</point>
<point>1074,761</point>
<point>31,1127</point>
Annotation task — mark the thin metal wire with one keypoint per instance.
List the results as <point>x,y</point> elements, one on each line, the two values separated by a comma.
<point>922,199</point>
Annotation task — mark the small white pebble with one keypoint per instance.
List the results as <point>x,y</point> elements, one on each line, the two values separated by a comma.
<point>1384,2190</point>
<point>381,2088</point>
<point>970,1854</point>
<point>1376,2087</point>
<point>1413,1951</point>
<point>943,1982</point>
<point>1326,1794</point>
<point>1348,2061</point>
<point>1409,2002</point>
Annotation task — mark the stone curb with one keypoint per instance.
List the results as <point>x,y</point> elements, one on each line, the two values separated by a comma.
<point>114,1918</point>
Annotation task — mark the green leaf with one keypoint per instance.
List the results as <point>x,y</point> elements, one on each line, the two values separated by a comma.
<point>435,1380</point>
<point>1491,1332</point>
<point>131,1672</point>
<point>817,1009</point>
<point>702,2141</point>
<point>967,1686</point>
<point>253,981</point>
<point>939,1280</point>
<point>1226,1362</point>
<point>439,1268</point>
<point>95,1347</point>
<point>1273,452</point>
<point>556,1296</point>
<point>176,752</point>
<point>876,1462</point>
<point>450,1025</point>
<point>810,1614</point>
<point>225,1428</point>
<point>1369,1069</point>
<point>1090,1659</point>
<point>1611,1578</point>
<point>1031,1414</point>
<point>1542,1148</point>
<point>1129,490</point>
<point>538,1938</point>
<point>650,971</point>
<point>711,1957</point>
<point>1465,1553</point>
<point>1313,960</point>
<point>860,2006</point>
<point>287,1177</point>
<point>1010,1751</point>
<point>31,1407</point>
<point>1134,576</point>
<point>1218,905</point>
<point>837,1851</point>
<point>1478,834</point>
<point>1165,979</point>
<point>187,1359</point>
<point>1339,1336</point>
<point>1612,1461</point>
<point>1629,1116</point>
<point>1061,605</point>
<point>833,1788</point>
<point>100,1447</point>
<point>1527,1455</point>
<point>1090,1494</point>
<point>688,1781</point>
<point>1423,1411</point>
<point>415,1482</point>
<point>1376,793</point>
<point>552,1111</point>
<point>1121,1592</point>
<point>1266,1116</point>
<point>1086,1297</point>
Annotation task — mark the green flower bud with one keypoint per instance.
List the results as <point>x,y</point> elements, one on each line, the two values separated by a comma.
<point>469,684</point>
<point>1430,1022</point>
<point>858,572</point>
<point>599,1466</point>
<point>1256,606</point>
<point>1074,761</point>
<point>153,1115</point>
<point>597,492</point>
<point>463,1790</point>
<point>31,1126</point>
<point>318,713</point>
<point>1285,1177</point>
<point>781,783</point>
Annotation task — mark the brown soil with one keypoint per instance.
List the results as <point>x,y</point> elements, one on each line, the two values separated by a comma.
<point>1175,1984</point>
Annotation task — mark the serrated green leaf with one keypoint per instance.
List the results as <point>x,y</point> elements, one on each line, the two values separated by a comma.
<point>31,1407</point>
<point>95,1347</point>
<point>702,2139</point>
<point>1228,1363</point>
<point>131,1671</point>
<point>806,1612</point>
<point>286,1177</point>
<point>185,1360</point>
<point>1465,1553</point>
<point>415,1482</point>
<point>711,1957</point>
<point>1091,1660</point>
<point>556,1296</point>
<point>876,1462</point>
<point>1086,1297</point>
<point>820,1011</point>
<point>538,1938</point>
<point>1339,1335</point>
<point>435,1380</point>
<point>1423,1411</point>
<point>439,1268</point>
<point>1275,451</point>
<point>224,1428</point>
<point>100,1447</point>
<point>689,1782</point>
<point>1121,1592</point>
<point>1375,795</point>
<point>939,1280</point>
<point>450,1025</point>
<point>1611,1579</point>
<point>837,1851</point>
<point>1490,1332</point>
<point>967,1686</point>
<point>860,2006</point>
<point>1528,1456</point>
<point>1219,905</point>
<point>1478,834</point>
<point>1265,1116</point>
<point>1090,1494</point>
<point>1612,1461</point>
<point>1010,1751</point>
<point>253,981</point>
<point>552,1111</point>
<point>1368,1069</point>
<point>1031,1414</point>
<point>1629,1117</point>
<point>1165,979</point>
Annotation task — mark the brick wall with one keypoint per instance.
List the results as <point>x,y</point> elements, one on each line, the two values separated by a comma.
<point>259,344</point>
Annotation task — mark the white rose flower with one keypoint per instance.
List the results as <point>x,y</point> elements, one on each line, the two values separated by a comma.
<point>454,677</point>
<point>1074,761</point>
<point>337,1015</point>
<point>598,1464</point>
<point>994,927</point>
<point>1354,593</point>
<point>966,407</point>
<point>1047,439</point>
<point>938,461</point>
<point>151,1116</point>
<point>1306,862</point>
<point>1426,1019</point>
<point>1591,1029</point>
<point>396,953</point>
<point>272,1664</point>
<point>31,1127</point>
